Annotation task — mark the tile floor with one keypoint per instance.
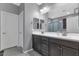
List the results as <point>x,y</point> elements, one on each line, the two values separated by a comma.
<point>15,52</point>
<point>30,53</point>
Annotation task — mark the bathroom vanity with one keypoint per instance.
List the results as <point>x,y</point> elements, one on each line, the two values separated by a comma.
<point>61,33</point>
<point>53,44</point>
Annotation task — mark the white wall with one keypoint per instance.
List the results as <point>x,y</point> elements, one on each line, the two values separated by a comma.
<point>31,11</point>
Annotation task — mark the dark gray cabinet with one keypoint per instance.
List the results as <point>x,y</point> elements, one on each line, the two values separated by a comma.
<point>54,46</point>
<point>69,51</point>
<point>44,46</point>
<point>1,53</point>
<point>54,49</point>
<point>69,48</point>
<point>36,43</point>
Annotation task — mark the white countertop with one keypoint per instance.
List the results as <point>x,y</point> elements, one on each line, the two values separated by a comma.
<point>70,36</point>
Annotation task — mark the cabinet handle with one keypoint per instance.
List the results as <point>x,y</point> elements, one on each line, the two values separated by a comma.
<point>60,48</point>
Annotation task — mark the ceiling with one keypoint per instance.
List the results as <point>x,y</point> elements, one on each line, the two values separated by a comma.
<point>40,4</point>
<point>18,4</point>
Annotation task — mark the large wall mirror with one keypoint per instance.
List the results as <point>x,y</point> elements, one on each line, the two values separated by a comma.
<point>64,16</point>
<point>55,25</point>
<point>70,23</point>
<point>59,17</point>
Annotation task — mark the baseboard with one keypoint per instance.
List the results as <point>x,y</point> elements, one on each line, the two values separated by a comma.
<point>27,51</point>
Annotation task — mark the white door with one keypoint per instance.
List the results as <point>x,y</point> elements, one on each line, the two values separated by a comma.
<point>3,31</point>
<point>9,30</point>
<point>20,42</point>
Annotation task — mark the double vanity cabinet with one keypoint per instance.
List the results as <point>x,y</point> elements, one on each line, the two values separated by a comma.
<point>51,46</point>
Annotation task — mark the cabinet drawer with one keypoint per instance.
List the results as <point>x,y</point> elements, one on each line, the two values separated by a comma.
<point>44,45</point>
<point>71,44</point>
<point>44,48</point>
<point>44,54</point>
<point>45,51</point>
<point>55,40</point>
<point>69,51</point>
<point>44,42</point>
<point>36,37</point>
<point>44,39</point>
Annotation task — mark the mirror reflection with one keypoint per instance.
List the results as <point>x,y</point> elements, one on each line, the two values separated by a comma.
<point>58,17</point>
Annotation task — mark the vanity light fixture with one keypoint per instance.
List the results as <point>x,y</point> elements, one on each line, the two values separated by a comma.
<point>68,12</point>
<point>39,3</point>
<point>44,10</point>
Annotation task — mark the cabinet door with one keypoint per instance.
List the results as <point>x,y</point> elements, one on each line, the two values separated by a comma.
<point>36,43</point>
<point>9,29</point>
<point>54,49</point>
<point>44,46</point>
<point>69,51</point>
<point>3,31</point>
